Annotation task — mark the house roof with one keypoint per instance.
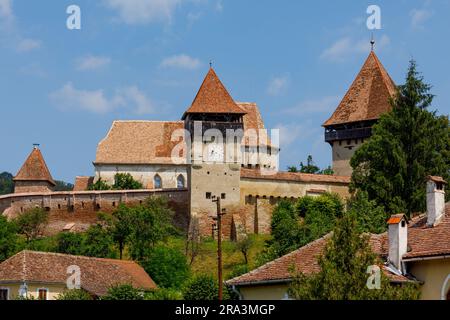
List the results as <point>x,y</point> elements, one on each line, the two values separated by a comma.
<point>423,242</point>
<point>34,169</point>
<point>83,183</point>
<point>304,260</point>
<point>437,179</point>
<point>368,96</point>
<point>294,176</point>
<point>213,97</point>
<point>97,275</point>
<point>253,121</point>
<point>139,142</point>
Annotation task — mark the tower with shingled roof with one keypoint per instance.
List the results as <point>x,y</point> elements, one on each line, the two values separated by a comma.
<point>34,175</point>
<point>363,104</point>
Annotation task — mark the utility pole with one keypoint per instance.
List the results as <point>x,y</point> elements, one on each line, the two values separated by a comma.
<point>220,213</point>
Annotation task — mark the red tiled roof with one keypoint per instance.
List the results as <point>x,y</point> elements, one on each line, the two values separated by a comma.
<point>253,121</point>
<point>396,219</point>
<point>436,179</point>
<point>213,97</point>
<point>34,169</point>
<point>423,241</point>
<point>97,275</point>
<point>294,176</point>
<point>83,183</point>
<point>304,260</point>
<point>368,96</point>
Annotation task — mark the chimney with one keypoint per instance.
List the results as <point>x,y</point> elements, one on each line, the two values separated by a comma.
<point>398,239</point>
<point>435,200</point>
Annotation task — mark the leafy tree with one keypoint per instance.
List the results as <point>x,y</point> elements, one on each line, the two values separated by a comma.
<point>124,292</point>
<point>407,144</point>
<point>63,186</point>
<point>8,238</point>
<point>125,181</point>
<point>167,267</point>
<point>121,227</point>
<point>343,268</point>
<point>31,223</point>
<point>6,183</point>
<point>328,171</point>
<point>310,166</point>
<point>244,247</point>
<point>70,243</point>
<point>74,295</point>
<point>100,185</point>
<point>370,216</point>
<point>98,243</point>
<point>292,169</point>
<point>150,223</point>
<point>201,287</point>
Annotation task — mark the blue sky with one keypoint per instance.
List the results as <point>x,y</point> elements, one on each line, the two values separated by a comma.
<point>145,59</point>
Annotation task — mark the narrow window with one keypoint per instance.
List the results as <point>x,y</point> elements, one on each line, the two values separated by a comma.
<point>157,182</point>
<point>208,195</point>
<point>180,182</point>
<point>223,196</point>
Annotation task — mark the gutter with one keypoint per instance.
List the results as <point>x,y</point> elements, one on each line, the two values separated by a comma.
<point>446,256</point>
<point>250,283</point>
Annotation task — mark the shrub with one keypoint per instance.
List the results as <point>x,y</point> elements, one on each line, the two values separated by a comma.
<point>31,223</point>
<point>124,292</point>
<point>167,267</point>
<point>201,287</point>
<point>163,294</point>
<point>125,181</point>
<point>76,294</point>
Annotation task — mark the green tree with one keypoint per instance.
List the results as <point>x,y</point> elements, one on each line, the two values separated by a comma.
<point>74,295</point>
<point>125,181</point>
<point>310,166</point>
<point>31,223</point>
<point>407,144</point>
<point>6,183</point>
<point>63,186</point>
<point>328,171</point>
<point>343,268</point>
<point>370,216</point>
<point>150,223</point>
<point>244,247</point>
<point>120,227</point>
<point>292,169</point>
<point>70,243</point>
<point>8,238</point>
<point>100,185</point>
<point>201,287</point>
<point>167,267</point>
<point>98,243</point>
<point>124,292</point>
<point>163,294</point>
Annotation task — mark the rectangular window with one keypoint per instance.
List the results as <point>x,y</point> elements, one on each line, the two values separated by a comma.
<point>4,294</point>
<point>43,294</point>
<point>208,195</point>
<point>223,196</point>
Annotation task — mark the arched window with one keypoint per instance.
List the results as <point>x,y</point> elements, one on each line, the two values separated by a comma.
<point>181,182</point>
<point>157,182</point>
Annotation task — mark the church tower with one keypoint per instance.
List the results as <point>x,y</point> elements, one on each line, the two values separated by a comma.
<point>214,170</point>
<point>351,123</point>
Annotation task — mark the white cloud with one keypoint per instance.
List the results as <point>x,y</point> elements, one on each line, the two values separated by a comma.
<point>133,96</point>
<point>69,98</point>
<point>278,85</point>
<point>181,61</point>
<point>92,62</point>
<point>26,45</point>
<point>347,47</point>
<point>322,105</point>
<point>295,132</point>
<point>6,11</point>
<point>419,17</point>
<point>144,11</point>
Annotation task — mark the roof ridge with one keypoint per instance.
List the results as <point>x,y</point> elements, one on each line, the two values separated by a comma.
<point>77,256</point>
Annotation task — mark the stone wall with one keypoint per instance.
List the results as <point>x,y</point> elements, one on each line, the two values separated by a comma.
<point>32,186</point>
<point>342,153</point>
<point>81,208</point>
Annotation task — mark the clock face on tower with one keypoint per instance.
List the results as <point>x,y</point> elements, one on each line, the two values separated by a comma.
<point>215,153</point>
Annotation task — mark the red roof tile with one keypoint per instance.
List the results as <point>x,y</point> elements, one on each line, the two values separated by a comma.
<point>368,96</point>
<point>34,169</point>
<point>83,183</point>
<point>213,97</point>
<point>97,275</point>
<point>294,176</point>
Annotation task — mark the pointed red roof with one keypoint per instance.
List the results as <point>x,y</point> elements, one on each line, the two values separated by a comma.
<point>213,97</point>
<point>34,169</point>
<point>368,96</point>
